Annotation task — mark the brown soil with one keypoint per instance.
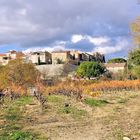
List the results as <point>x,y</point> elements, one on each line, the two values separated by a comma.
<point>113,121</point>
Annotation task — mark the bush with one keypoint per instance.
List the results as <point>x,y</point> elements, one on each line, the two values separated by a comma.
<point>18,74</point>
<point>90,69</point>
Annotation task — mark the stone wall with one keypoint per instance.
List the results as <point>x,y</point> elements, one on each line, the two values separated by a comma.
<point>54,70</point>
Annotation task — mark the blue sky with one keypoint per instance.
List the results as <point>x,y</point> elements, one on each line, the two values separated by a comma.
<point>86,25</point>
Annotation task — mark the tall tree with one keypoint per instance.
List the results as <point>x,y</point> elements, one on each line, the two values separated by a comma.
<point>134,57</point>
<point>135,28</point>
<point>134,62</point>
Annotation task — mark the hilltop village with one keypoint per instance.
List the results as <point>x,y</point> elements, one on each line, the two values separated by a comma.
<point>55,57</point>
<point>55,63</point>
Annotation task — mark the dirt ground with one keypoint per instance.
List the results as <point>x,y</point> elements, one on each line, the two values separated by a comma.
<point>117,119</point>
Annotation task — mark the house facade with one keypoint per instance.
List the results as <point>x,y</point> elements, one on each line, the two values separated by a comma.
<point>116,67</point>
<point>11,55</point>
<point>14,55</point>
<point>87,57</point>
<point>75,55</point>
<point>60,57</point>
<point>4,59</point>
<point>40,58</point>
<point>99,57</point>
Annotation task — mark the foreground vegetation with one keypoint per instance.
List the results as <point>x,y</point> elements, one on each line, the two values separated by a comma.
<point>12,119</point>
<point>109,114</point>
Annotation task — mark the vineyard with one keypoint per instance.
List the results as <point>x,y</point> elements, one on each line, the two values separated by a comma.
<point>68,108</point>
<point>74,89</point>
<point>79,88</point>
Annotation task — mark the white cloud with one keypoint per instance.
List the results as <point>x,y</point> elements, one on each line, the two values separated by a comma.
<point>121,44</point>
<point>58,45</point>
<point>94,40</point>
<point>43,49</point>
<point>104,45</point>
<point>98,40</point>
<point>76,38</point>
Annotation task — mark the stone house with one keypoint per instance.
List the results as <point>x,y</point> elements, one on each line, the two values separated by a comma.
<point>14,55</point>
<point>76,57</point>
<point>116,67</point>
<point>11,54</point>
<point>40,58</point>
<point>4,59</point>
<point>60,57</point>
<point>45,58</point>
<point>99,57</point>
<point>87,57</point>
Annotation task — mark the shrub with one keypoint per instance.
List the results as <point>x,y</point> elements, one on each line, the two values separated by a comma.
<point>90,69</point>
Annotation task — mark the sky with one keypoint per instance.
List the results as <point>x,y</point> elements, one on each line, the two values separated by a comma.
<point>86,25</point>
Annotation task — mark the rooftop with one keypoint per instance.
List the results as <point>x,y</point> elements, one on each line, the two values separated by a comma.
<point>115,64</point>
<point>2,54</point>
<point>61,51</point>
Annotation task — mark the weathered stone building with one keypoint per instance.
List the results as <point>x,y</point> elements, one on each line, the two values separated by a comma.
<point>99,57</point>
<point>116,67</point>
<point>60,57</point>
<point>41,58</point>
<point>11,55</point>
<point>4,59</point>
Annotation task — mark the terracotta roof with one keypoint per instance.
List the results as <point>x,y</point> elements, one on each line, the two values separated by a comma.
<point>115,64</point>
<point>2,54</point>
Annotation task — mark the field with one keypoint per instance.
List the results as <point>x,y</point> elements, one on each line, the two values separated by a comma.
<point>103,114</point>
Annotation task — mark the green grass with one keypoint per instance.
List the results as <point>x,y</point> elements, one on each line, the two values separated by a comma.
<point>118,134</point>
<point>55,99</point>
<point>13,115</point>
<point>95,103</point>
<point>15,110</point>
<point>73,111</point>
<point>18,135</point>
<point>14,132</point>
<point>23,101</point>
<point>122,100</point>
<point>133,96</point>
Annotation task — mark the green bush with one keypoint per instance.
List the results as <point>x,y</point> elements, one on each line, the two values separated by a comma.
<point>90,69</point>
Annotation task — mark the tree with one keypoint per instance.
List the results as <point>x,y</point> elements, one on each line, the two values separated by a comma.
<point>117,60</point>
<point>134,63</point>
<point>90,69</point>
<point>134,57</point>
<point>19,74</point>
<point>135,71</point>
<point>135,28</point>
